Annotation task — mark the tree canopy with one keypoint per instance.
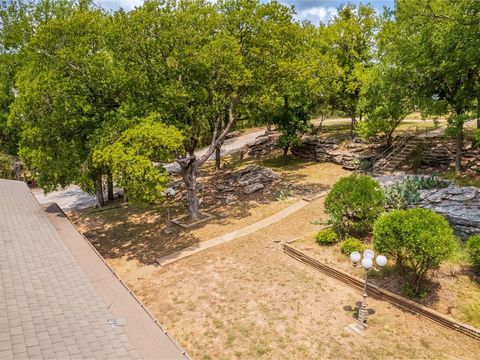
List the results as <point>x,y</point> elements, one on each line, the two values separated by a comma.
<point>80,85</point>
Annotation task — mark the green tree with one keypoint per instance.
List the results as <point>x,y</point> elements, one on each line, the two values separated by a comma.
<point>417,239</point>
<point>68,87</point>
<point>18,23</point>
<point>190,70</point>
<point>196,63</point>
<point>351,42</point>
<point>386,99</point>
<point>135,157</point>
<point>437,42</point>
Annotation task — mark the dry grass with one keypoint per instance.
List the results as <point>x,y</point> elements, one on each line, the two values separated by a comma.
<point>245,299</point>
<point>452,290</point>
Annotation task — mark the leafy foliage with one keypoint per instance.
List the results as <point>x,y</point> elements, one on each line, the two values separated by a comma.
<point>417,239</point>
<point>6,166</point>
<point>350,245</point>
<point>473,249</point>
<point>386,99</point>
<point>404,193</point>
<point>68,89</point>
<point>327,236</point>
<point>134,158</point>
<point>354,203</point>
<point>351,36</point>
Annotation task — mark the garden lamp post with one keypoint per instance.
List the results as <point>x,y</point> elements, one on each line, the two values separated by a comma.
<point>366,261</point>
<point>169,193</point>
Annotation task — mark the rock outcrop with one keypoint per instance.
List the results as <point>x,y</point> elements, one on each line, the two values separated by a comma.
<point>320,149</point>
<point>262,145</point>
<point>250,179</point>
<point>458,204</point>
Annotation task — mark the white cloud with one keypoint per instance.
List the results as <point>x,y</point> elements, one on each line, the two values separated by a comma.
<point>314,14</point>
<point>317,14</point>
<point>115,4</point>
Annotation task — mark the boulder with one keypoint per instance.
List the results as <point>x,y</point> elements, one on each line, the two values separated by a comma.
<point>262,145</point>
<point>460,205</point>
<point>250,189</point>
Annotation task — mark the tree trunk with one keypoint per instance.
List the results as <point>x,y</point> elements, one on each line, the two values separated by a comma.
<point>322,119</point>
<point>459,149</point>
<point>189,175</point>
<point>217,158</point>
<point>352,126</point>
<point>389,138</point>
<point>189,165</point>
<point>110,186</point>
<point>285,152</point>
<point>99,191</point>
<point>269,127</point>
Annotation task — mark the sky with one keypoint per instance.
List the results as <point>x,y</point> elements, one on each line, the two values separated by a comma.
<point>314,11</point>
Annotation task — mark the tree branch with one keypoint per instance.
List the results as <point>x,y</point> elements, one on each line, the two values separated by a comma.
<point>218,140</point>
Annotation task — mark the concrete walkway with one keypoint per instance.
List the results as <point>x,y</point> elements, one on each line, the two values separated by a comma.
<point>58,300</point>
<point>232,235</point>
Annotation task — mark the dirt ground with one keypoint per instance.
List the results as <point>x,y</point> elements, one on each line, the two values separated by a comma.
<point>453,289</point>
<point>245,299</point>
<point>131,238</point>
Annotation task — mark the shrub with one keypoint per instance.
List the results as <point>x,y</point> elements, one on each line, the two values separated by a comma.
<point>407,191</point>
<point>327,237</point>
<point>473,249</point>
<point>354,203</point>
<point>417,239</point>
<point>350,245</point>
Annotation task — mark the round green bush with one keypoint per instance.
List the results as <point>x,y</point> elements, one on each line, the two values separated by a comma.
<point>417,239</point>
<point>350,245</point>
<point>473,249</point>
<point>354,203</point>
<point>327,237</point>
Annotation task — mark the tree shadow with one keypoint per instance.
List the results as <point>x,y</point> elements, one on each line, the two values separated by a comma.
<point>137,233</point>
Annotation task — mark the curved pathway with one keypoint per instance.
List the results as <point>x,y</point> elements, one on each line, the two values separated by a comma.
<point>236,234</point>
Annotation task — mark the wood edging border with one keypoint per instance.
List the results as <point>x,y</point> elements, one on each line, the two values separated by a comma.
<point>383,294</point>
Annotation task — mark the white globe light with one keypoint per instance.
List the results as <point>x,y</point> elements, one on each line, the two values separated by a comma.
<point>367,263</point>
<point>369,254</point>
<point>381,260</point>
<point>355,257</point>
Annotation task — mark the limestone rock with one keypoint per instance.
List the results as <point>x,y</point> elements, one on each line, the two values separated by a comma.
<point>458,204</point>
<point>262,145</point>
<point>250,189</point>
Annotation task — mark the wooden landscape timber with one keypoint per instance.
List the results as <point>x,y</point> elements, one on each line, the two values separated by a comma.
<point>383,294</point>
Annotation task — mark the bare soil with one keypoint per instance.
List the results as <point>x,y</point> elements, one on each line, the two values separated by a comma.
<point>245,299</point>
<point>452,290</point>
